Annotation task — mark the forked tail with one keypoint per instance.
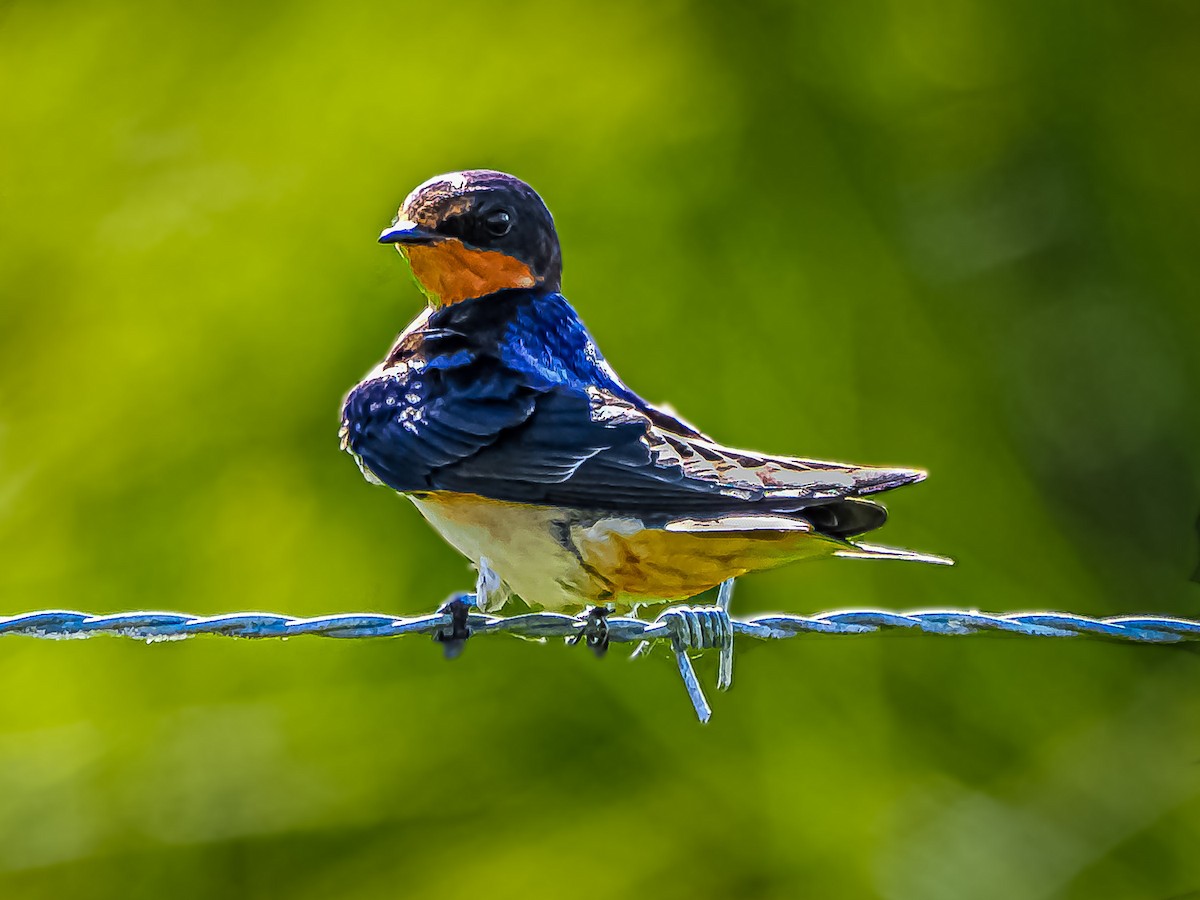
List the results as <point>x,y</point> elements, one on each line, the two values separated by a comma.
<point>857,550</point>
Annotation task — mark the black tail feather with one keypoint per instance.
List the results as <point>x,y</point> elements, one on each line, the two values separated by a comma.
<point>845,518</point>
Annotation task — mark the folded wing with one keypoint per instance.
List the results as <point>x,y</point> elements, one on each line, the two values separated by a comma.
<point>482,428</point>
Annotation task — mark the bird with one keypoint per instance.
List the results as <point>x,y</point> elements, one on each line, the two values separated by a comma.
<point>496,414</point>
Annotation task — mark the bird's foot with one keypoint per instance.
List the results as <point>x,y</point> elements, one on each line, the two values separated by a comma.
<point>453,637</point>
<point>595,630</point>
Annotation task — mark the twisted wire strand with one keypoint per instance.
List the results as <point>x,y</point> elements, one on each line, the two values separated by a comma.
<point>161,626</point>
<point>457,620</point>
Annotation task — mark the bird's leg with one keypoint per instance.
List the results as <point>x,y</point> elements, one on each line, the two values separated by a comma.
<point>642,646</point>
<point>489,587</point>
<point>490,590</point>
<point>453,639</point>
<point>595,630</point>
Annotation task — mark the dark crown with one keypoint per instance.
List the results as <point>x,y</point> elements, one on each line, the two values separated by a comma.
<point>490,210</point>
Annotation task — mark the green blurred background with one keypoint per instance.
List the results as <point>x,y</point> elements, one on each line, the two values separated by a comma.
<point>958,235</point>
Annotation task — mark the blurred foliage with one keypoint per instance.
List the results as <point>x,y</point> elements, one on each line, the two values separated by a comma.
<point>958,235</point>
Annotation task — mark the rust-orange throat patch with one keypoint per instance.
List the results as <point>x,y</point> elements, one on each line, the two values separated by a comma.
<point>449,271</point>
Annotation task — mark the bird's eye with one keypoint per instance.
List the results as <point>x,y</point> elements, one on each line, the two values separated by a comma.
<point>498,223</point>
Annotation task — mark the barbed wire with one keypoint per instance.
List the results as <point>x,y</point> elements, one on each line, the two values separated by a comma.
<point>686,628</point>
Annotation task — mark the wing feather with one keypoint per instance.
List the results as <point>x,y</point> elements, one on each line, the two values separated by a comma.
<point>480,427</point>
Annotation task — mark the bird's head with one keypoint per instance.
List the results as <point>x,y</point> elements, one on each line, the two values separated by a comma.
<point>469,234</point>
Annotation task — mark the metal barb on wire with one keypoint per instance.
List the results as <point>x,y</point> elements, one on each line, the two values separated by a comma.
<point>449,623</point>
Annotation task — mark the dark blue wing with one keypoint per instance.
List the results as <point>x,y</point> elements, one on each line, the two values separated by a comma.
<point>529,413</point>
<point>477,429</point>
<point>486,431</point>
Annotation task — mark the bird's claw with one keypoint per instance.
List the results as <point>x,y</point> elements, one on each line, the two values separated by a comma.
<point>454,638</point>
<point>595,630</point>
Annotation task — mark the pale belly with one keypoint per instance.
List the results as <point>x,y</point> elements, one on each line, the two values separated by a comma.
<point>553,558</point>
<point>525,545</point>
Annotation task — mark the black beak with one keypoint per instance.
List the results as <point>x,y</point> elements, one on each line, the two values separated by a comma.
<point>405,232</point>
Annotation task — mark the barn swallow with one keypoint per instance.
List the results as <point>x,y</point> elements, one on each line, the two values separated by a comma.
<point>497,415</point>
